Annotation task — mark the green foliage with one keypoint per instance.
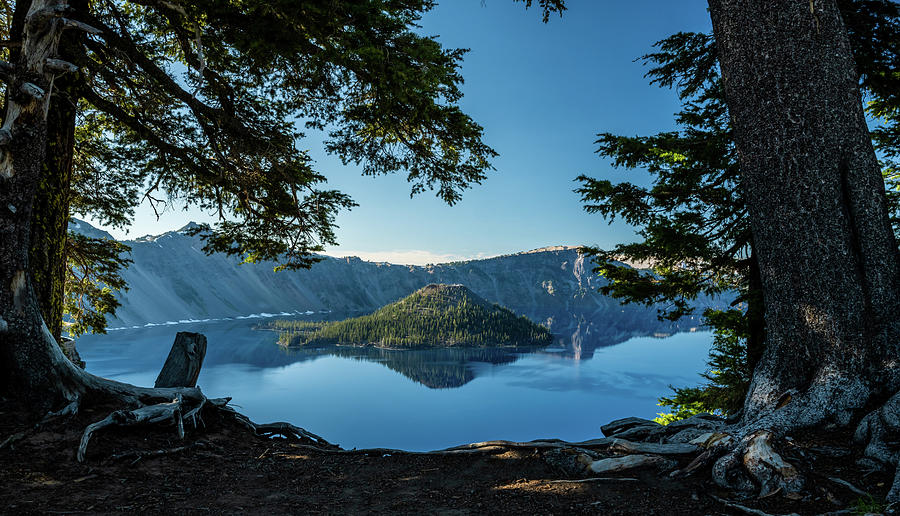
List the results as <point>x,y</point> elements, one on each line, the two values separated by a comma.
<point>695,235</point>
<point>694,232</point>
<point>205,103</point>
<point>430,317</point>
<point>868,505</point>
<point>547,6</point>
<point>92,280</point>
<point>198,103</point>
<point>728,376</point>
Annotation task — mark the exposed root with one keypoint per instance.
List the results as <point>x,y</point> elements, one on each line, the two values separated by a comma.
<point>160,413</point>
<point>728,472</point>
<point>290,432</point>
<point>286,430</point>
<point>385,452</point>
<point>768,468</point>
<point>703,460</point>
<point>14,438</point>
<point>69,410</point>
<point>755,465</point>
<point>879,431</point>
<point>849,486</point>
<point>538,444</point>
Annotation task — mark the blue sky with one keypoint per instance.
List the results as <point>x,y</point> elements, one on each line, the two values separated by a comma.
<point>542,93</point>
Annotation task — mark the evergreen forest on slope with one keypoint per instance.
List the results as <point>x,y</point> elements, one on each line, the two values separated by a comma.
<point>433,316</point>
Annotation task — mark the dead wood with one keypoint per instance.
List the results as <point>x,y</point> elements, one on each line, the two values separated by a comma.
<point>594,479</point>
<point>625,463</point>
<point>624,446</point>
<point>182,367</point>
<point>849,486</point>
<point>153,414</point>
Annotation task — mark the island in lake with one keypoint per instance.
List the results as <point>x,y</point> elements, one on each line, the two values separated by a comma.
<point>433,316</point>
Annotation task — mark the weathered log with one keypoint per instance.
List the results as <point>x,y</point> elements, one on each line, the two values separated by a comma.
<point>623,446</point>
<point>626,463</point>
<point>185,359</point>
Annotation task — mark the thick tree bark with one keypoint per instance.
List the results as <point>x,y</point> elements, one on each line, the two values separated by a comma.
<point>31,360</point>
<point>49,226</point>
<point>828,261</point>
<point>756,340</point>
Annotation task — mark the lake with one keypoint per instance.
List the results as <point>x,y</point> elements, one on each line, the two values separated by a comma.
<point>419,399</point>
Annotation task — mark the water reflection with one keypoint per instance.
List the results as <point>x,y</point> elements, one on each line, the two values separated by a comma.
<point>577,337</point>
<point>443,368</point>
<point>423,399</point>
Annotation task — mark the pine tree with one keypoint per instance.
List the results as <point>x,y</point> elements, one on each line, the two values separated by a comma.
<point>196,102</point>
<point>693,219</point>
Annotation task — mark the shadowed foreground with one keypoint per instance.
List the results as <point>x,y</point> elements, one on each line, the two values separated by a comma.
<point>227,471</point>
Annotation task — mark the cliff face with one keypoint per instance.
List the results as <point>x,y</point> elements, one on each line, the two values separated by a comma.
<point>172,279</point>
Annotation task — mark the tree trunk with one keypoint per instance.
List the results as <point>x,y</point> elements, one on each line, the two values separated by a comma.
<point>182,367</point>
<point>50,224</point>
<point>32,363</point>
<point>756,340</point>
<point>828,261</point>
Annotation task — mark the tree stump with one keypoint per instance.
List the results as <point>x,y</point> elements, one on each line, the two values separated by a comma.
<point>185,359</point>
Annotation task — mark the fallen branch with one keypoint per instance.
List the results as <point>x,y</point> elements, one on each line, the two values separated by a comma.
<point>593,479</point>
<point>14,438</point>
<point>849,486</point>
<point>138,455</point>
<point>742,508</point>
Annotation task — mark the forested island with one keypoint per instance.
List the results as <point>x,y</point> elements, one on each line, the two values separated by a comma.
<point>433,316</point>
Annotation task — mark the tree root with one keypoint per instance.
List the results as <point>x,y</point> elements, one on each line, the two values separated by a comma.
<point>594,479</point>
<point>879,431</point>
<point>69,410</point>
<point>160,413</point>
<point>286,430</point>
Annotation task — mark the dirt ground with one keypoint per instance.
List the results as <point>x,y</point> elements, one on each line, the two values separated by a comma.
<point>225,470</point>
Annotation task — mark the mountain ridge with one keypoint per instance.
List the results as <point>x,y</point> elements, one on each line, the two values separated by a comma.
<point>172,280</point>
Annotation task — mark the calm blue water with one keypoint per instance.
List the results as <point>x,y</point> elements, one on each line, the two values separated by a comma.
<point>417,400</point>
